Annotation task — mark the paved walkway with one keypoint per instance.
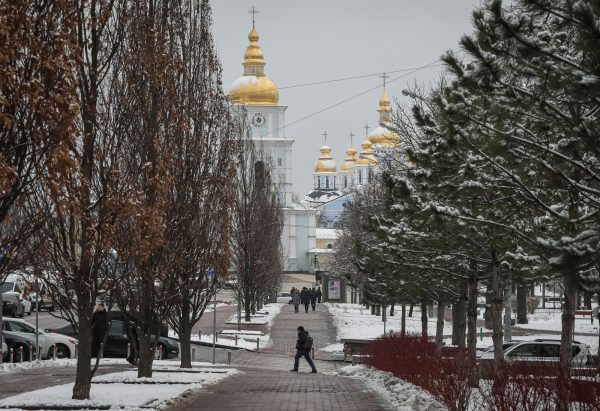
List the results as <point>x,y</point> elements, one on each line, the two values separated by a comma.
<point>266,384</point>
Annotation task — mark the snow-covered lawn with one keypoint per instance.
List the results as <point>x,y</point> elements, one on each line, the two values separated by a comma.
<point>355,321</point>
<point>245,341</point>
<point>123,390</point>
<point>7,368</point>
<point>262,317</point>
<point>551,320</point>
<point>402,395</point>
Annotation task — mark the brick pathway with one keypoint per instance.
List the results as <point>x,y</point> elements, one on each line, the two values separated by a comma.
<point>266,384</point>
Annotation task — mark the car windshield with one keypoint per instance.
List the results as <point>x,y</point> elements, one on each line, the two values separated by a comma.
<point>6,286</point>
<point>20,327</point>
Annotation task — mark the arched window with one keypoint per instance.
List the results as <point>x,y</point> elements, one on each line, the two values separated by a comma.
<point>327,182</point>
<point>318,182</point>
<point>360,177</point>
<point>345,181</point>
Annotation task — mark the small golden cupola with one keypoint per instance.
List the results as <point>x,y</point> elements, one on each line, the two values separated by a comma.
<point>348,165</point>
<point>366,157</point>
<point>326,163</point>
<point>382,135</point>
<point>254,87</point>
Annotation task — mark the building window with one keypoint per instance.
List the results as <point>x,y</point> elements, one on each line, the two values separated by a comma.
<point>279,161</point>
<point>326,182</point>
<point>329,246</point>
<point>334,182</point>
<point>318,182</point>
<point>360,177</point>
<point>345,181</point>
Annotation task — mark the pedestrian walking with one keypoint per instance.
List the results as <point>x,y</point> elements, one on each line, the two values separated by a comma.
<point>313,298</point>
<point>296,299</point>
<point>319,294</point>
<point>305,298</point>
<point>99,327</point>
<point>303,346</point>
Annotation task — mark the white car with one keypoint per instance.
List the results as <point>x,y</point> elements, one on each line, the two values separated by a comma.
<point>65,345</point>
<point>26,304</point>
<point>540,350</point>
<point>284,298</point>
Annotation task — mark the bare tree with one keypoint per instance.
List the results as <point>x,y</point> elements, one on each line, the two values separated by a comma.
<point>38,109</point>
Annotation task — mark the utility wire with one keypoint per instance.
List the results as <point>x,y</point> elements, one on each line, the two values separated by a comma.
<point>414,70</point>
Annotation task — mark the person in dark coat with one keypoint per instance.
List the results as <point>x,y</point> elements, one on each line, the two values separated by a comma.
<point>319,294</point>
<point>99,327</point>
<point>303,347</point>
<point>305,297</point>
<point>313,298</point>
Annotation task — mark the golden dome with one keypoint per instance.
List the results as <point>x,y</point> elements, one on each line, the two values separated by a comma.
<point>348,165</point>
<point>366,158</point>
<point>254,87</point>
<point>382,135</point>
<point>325,164</point>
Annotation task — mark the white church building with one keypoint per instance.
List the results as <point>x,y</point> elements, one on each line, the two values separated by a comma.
<point>302,242</point>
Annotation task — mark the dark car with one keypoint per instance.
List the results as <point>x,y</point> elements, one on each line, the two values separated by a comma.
<point>117,340</point>
<point>12,305</point>
<point>15,341</point>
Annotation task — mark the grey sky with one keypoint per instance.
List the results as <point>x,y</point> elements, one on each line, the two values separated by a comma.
<point>309,41</point>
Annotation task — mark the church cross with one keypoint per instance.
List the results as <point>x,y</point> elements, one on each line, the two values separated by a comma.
<point>351,138</point>
<point>366,129</point>
<point>325,135</point>
<point>384,77</point>
<point>254,12</point>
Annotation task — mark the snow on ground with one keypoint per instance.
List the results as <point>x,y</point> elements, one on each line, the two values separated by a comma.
<point>545,319</point>
<point>7,368</point>
<point>123,390</point>
<point>262,317</point>
<point>355,321</point>
<point>337,347</point>
<point>247,342</point>
<point>403,395</point>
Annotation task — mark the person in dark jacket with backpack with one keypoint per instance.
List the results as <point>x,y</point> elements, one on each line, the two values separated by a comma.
<point>303,347</point>
<point>305,297</point>
<point>99,326</point>
<point>313,297</point>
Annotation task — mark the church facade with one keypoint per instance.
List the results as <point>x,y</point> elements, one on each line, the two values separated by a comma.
<point>305,223</point>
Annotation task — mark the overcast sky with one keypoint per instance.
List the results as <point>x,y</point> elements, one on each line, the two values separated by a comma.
<point>307,41</point>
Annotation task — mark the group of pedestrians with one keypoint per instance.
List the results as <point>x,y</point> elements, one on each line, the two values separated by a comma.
<point>306,296</point>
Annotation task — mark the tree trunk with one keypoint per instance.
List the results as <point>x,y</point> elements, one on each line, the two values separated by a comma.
<point>146,355</point>
<point>83,374</point>
<point>566,342</point>
<point>392,310</point>
<point>247,307</point>
<point>587,300</point>
<point>459,316</point>
<point>496,293</point>
<point>522,304</point>
<point>424,318</point>
<point>378,310</point>
<point>372,309</point>
<point>544,295</point>
<point>403,320</point>
<point>439,325</point>
<point>185,336</point>
<point>487,314</point>
<point>410,310</point>
<point>472,324</point>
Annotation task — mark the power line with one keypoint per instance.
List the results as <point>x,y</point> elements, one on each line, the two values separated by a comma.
<point>432,64</point>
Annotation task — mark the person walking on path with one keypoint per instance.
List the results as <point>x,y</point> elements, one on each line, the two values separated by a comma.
<point>313,298</point>
<point>319,294</point>
<point>296,299</point>
<point>99,326</point>
<point>305,298</point>
<point>303,347</point>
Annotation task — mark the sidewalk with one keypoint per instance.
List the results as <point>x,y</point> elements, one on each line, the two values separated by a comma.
<point>265,383</point>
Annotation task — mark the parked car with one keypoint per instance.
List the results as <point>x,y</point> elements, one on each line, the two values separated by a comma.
<point>490,349</point>
<point>15,341</point>
<point>26,305</point>
<point>285,298</point>
<point>117,340</point>
<point>65,346</point>
<point>542,350</point>
<point>12,304</point>
<point>45,303</point>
